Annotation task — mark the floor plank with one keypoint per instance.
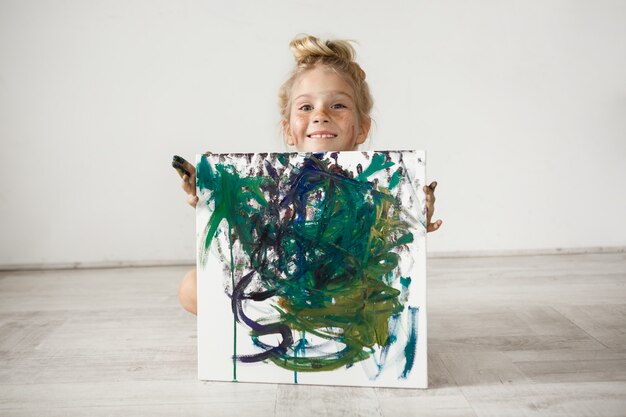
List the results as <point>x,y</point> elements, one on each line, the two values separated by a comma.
<point>326,401</point>
<point>604,322</point>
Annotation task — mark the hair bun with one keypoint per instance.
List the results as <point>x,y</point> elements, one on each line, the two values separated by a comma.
<point>309,47</point>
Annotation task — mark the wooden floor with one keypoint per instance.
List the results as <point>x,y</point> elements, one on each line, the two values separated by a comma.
<point>509,336</point>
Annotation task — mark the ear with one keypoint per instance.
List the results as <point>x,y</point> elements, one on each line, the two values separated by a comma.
<point>287,132</point>
<point>365,129</point>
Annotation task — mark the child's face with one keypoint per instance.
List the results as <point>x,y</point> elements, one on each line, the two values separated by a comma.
<point>323,116</point>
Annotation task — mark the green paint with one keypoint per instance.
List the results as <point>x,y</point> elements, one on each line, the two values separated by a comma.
<point>232,196</point>
<point>411,344</point>
<point>405,282</point>
<point>300,348</point>
<point>395,179</point>
<point>283,159</point>
<point>378,163</point>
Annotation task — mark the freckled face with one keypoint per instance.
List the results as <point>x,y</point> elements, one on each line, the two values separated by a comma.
<point>323,116</point>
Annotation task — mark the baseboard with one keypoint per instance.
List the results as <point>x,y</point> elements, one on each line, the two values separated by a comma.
<point>96,265</point>
<point>191,263</point>
<point>528,252</point>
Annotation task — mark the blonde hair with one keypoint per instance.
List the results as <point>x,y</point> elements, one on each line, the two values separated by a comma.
<point>338,55</point>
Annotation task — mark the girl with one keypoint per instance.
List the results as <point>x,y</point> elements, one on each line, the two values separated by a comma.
<point>325,106</point>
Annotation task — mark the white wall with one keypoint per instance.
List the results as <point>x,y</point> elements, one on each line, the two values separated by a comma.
<point>521,106</point>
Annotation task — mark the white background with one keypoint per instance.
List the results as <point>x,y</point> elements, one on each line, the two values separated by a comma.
<point>520,105</point>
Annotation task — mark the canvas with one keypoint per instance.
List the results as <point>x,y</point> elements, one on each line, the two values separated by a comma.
<point>312,268</point>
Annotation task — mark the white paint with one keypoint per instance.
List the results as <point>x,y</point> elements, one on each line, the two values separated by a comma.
<point>520,105</point>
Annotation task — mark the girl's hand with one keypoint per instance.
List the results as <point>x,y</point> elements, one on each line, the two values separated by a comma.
<point>189,185</point>
<point>430,207</point>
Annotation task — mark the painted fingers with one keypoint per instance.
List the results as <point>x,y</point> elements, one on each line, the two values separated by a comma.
<point>188,174</point>
<point>429,190</point>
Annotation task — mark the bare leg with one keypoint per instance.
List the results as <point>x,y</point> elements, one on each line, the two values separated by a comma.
<point>187,292</point>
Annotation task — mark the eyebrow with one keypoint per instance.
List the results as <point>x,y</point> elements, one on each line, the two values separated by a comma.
<point>340,93</point>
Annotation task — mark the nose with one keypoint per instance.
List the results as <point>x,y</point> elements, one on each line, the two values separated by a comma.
<point>320,116</point>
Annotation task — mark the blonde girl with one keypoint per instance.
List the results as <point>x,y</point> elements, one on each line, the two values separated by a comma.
<point>325,106</point>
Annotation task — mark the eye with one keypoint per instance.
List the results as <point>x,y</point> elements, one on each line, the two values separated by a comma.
<point>339,106</point>
<point>305,107</point>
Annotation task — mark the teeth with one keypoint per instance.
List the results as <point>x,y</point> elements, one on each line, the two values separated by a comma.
<point>322,136</point>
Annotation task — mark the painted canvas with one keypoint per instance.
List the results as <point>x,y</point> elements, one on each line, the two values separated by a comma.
<point>312,268</point>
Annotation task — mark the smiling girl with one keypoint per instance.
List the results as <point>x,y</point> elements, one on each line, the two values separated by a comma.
<point>325,106</point>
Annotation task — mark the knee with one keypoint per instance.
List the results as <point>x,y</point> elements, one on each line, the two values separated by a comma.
<point>187,292</point>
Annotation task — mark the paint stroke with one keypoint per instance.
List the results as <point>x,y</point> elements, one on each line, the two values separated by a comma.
<point>410,348</point>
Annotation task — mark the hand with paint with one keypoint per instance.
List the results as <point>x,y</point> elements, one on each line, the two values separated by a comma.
<point>430,207</point>
<point>188,174</point>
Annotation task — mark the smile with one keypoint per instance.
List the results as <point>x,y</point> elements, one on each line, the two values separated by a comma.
<point>322,136</point>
